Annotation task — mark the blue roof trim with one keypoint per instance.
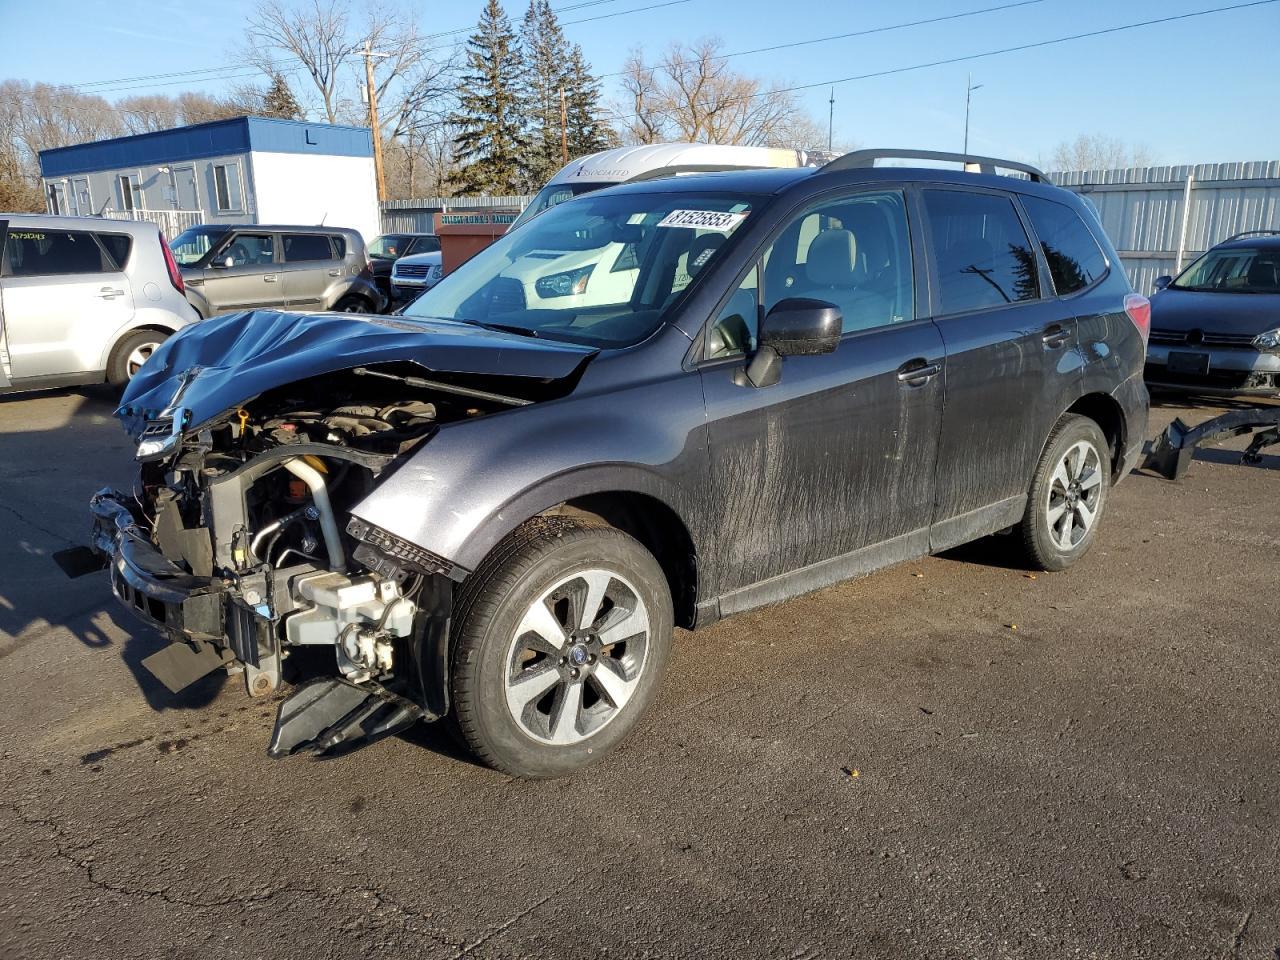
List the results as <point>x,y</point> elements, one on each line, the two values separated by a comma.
<point>203,140</point>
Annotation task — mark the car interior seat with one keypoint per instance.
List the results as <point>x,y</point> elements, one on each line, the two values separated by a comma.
<point>832,273</point>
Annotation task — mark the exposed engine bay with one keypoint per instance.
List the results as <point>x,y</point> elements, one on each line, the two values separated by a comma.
<point>248,520</point>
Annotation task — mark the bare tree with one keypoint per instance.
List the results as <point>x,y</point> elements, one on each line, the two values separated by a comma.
<point>1095,151</point>
<point>692,93</point>
<point>318,35</point>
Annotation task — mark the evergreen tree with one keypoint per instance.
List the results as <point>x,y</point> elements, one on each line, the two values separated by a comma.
<point>490,141</point>
<point>546,73</point>
<point>588,129</point>
<point>279,101</point>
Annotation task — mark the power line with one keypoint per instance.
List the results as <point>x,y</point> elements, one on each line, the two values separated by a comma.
<point>211,72</point>
<point>987,53</point>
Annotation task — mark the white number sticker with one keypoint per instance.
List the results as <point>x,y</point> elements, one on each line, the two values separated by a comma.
<point>702,220</point>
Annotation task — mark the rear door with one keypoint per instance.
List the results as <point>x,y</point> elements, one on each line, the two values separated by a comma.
<point>64,297</point>
<point>245,274</point>
<point>1013,362</point>
<point>311,265</point>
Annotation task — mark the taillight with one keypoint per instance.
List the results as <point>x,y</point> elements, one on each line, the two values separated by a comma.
<point>1139,310</point>
<point>175,275</point>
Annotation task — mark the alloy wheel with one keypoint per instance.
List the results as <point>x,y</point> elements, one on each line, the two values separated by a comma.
<point>577,657</point>
<point>1075,492</point>
<point>140,355</point>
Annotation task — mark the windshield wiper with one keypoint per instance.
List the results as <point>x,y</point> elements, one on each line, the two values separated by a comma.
<point>501,327</point>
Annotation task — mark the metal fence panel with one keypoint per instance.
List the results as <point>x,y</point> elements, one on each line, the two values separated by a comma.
<point>416,216</point>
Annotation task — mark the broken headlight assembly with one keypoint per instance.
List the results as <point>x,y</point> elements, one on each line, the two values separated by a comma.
<point>1268,341</point>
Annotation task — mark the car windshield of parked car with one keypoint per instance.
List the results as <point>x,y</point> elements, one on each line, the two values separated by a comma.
<point>602,270</point>
<point>190,246</point>
<point>388,247</point>
<point>1234,270</point>
<point>551,195</point>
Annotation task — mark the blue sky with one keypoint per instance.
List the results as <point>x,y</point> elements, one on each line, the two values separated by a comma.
<point>1194,91</point>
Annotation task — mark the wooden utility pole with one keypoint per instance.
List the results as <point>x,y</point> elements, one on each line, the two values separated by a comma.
<point>374,129</point>
<point>564,129</point>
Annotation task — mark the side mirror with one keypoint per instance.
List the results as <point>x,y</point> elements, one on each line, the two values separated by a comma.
<point>795,327</point>
<point>222,262</point>
<point>1162,282</point>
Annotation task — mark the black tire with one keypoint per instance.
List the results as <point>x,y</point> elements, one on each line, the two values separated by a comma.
<point>352,303</point>
<point>123,363</point>
<point>1052,506</point>
<point>489,655</point>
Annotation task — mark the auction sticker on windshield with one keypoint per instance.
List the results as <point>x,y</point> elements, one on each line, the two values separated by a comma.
<point>702,220</point>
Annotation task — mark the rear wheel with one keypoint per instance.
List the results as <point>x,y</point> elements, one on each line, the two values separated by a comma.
<point>559,647</point>
<point>352,304</point>
<point>1068,494</point>
<point>131,353</point>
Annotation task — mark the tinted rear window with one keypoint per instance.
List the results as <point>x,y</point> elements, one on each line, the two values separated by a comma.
<point>983,256</point>
<point>306,246</point>
<point>37,253</point>
<point>1074,257</point>
<point>118,246</point>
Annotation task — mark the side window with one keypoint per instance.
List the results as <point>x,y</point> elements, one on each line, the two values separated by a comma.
<point>40,253</point>
<point>129,192</point>
<point>854,252</point>
<point>339,247</point>
<point>426,245</point>
<point>249,249</point>
<point>306,246</point>
<point>983,256</point>
<point>1074,257</point>
<point>734,331</point>
<point>118,246</point>
<point>226,187</point>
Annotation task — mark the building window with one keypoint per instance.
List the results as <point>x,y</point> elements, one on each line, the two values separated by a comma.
<point>226,182</point>
<point>130,192</point>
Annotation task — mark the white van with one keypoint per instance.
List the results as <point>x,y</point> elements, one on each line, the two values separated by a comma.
<point>83,299</point>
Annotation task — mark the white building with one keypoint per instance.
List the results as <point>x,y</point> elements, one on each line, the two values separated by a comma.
<point>246,170</point>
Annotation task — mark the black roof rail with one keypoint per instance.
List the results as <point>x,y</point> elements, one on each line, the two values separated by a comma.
<point>862,159</point>
<point>1253,233</point>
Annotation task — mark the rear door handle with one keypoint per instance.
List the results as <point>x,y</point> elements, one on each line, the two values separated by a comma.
<point>335,273</point>
<point>270,278</point>
<point>1055,336</point>
<point>918,371</point>
<point>110,293</point>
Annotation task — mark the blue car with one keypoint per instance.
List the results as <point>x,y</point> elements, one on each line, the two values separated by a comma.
<point>1216,328</point>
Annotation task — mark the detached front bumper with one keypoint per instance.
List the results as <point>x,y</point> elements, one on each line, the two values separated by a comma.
<point>154,588</point>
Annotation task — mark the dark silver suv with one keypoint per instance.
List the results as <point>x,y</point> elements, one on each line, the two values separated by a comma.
<point>499,505</point>
<point>252,267</point>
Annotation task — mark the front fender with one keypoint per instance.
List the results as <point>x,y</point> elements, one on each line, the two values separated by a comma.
<point>477,480</point>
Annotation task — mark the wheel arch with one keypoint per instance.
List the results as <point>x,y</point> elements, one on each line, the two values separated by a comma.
<point>121,335</point>
<point>1104,410</point>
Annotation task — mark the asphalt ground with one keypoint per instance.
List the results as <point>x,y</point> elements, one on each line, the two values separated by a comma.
<point>951,758</point>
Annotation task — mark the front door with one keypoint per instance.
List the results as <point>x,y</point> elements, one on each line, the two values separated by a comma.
<point>244,274</point>
<point>186,192</point>
<point>81,198</point>
<point>830,471</point>
<point>1012,359</point>
<point>63,301</point>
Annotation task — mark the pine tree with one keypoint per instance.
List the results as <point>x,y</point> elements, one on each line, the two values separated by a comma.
<point>588,129</point>
<point>490,141</point>
<point>546,63</point>
<point>279,101</point>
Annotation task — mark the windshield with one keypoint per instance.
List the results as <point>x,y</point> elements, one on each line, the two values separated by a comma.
<point>602,270</point>
<point>1234,270</point>
<point>552,194</point>
<point>388,247</point>
<point>190,246</point>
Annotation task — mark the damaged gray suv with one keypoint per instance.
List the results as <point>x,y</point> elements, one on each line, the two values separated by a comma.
<point>653,406</point>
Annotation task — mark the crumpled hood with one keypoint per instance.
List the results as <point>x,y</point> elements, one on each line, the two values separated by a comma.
<point>1239,313</point>
<point>215,365</point>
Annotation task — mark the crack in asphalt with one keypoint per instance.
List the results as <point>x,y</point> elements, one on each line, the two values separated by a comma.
<point>35,526</point>
<point>501,928</point>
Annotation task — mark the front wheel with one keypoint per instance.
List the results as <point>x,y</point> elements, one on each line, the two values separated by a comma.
<point>352,304</point>
<point>559,647</point>
<point>1067,495</point>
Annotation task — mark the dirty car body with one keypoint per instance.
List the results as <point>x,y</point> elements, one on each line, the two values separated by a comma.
<point>331,484</point>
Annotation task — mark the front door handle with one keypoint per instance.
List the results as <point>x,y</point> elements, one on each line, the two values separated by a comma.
<point>918,371</point>
<point>270,278</point>
<point>335,273</point>
<point>110,293</point>
<point>1055,336</point>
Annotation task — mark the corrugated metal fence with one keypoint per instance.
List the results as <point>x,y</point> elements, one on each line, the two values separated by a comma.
<point>1162,218</point>
<point>1159,218</point>
<point>415,216</point>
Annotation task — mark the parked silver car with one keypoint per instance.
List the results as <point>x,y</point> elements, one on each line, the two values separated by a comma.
<point>413,274</point>
<point>255,267</point>
<point>83,300</point>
